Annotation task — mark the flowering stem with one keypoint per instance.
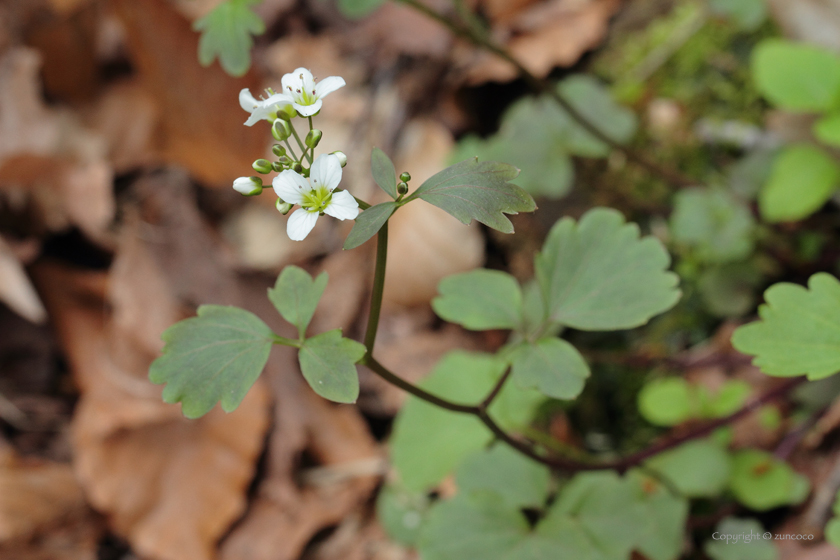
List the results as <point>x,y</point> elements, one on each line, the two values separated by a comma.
<point>302,147</point>
<point>378,288</point>
<point>291,151</point>
<point>474,32</point>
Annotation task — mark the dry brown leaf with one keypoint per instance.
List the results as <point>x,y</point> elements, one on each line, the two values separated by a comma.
<point>551,34</point>
<point>425,243</point>
<point>16,290</point>
<point>34,494</point>
<point>200,117</point>
<point>394,29</point>
<point>171,486</point>
<point>814,21</point>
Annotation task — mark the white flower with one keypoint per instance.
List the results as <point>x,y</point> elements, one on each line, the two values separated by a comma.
<point>248,186</point>
<point>315,196</point>
<point>305,93</point>
<point>261,109</point>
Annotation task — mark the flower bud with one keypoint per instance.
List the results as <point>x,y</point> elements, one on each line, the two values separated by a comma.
<point>342,159</point>
<point>277,166</point>
<point>281,130</point>
<point>287,113</point>
<point>296,167</point>
<point>282,207</point>
<point>402,187</point>
<point>262,166</point>
<point>248,186</point>
<point>313,138</point>
<point>405,177</point>
<point>278,150</point>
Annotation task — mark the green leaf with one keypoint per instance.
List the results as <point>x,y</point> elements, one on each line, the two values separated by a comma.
<point>795,76</point>
<point>213,357</point>
<point>402,513</point>
<point>762,482</point>
<point>477,190</point>
<point>226,33</point>
<point>714,223</point>
<point>667,402</point>
<point>598,274</point>
<point>746,14</point>
<point>594,102</point>
<point>666,514</point>
<point>699,469</point>
<point>518,480</point>
<point>552,366</point>
<point>356,9</point>
<point>737,547</point>
<point>327,362</point>
<point>368,224</point>
<point>799,330</point>
<point>832,531</point>
<point>827,129</point>
<point>480,300</point>
<point>295,295</point>
<point>420,426</point>
<point>802,180</point>
<point>747,175</point>
<point>729,399</point>
<point>382,169</point>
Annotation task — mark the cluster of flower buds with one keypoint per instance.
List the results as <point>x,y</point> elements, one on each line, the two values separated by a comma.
<point>302,179</point>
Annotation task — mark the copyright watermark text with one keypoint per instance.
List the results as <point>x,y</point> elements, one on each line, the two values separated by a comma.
<point>747,538</point>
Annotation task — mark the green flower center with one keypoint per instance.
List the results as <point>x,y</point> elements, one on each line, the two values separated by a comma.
<point>317,199</point>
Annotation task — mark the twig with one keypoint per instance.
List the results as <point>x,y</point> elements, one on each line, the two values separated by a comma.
<point>478,38</point>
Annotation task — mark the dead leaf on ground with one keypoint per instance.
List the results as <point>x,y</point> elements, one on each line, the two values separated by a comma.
<point>200,117</point>
<point>545,35</point>
<point>33,494</point>
<point>425,243</point>
<point>171,486</point>
<point>814,21</point>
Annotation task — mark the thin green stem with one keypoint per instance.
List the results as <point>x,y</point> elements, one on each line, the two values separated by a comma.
<point>378,288</point>
<point>283,341</point>
<point>300,143</point>
<point>291,151</point>
<point>474,33</point>
<point>312,151</point>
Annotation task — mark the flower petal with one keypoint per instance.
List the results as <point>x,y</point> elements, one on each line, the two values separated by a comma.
<point>290,186</point>
<point>328,85</point>
<point>300,224</point>
<point>325,172</point>
<point>342,206</point>
<point>308,110</point>
<point>247,101</point>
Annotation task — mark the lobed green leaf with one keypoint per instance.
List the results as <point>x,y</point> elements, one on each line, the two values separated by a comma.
<point>213,357</point>
<point>480,300</point>
<point>795,76</point>
<point>598,275</point>
<point>295,295</point>
<point>802,180</point>
<point>328,363</point>
<point>226,33</point>
<point>473,190</point>
<point>551,365</point>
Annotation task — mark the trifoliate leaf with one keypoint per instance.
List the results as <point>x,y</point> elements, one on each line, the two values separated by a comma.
<point>598,274</point>
<point>226,33</point>
<point>796,76</point>
<point>473,190</point>
<point>213,357</point>
<point>746,14</point>
<point>667,402</point>
<point>518,480</point>
<point>328,363</point>
<point>295,295</point>
<point>419,427</point>
<point>551,365</point>
<point>356,9</point>
<point>827,129</point>
<point>802,180</point>
<point>740,539</point>
<point>480,300</point>
<point>699,469</point>
<point>799,330</point>
<point>368,224</point>
<point>384,173</point>
<point>714,223</point>
<point>762,482</point>
<point>402,513</point>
